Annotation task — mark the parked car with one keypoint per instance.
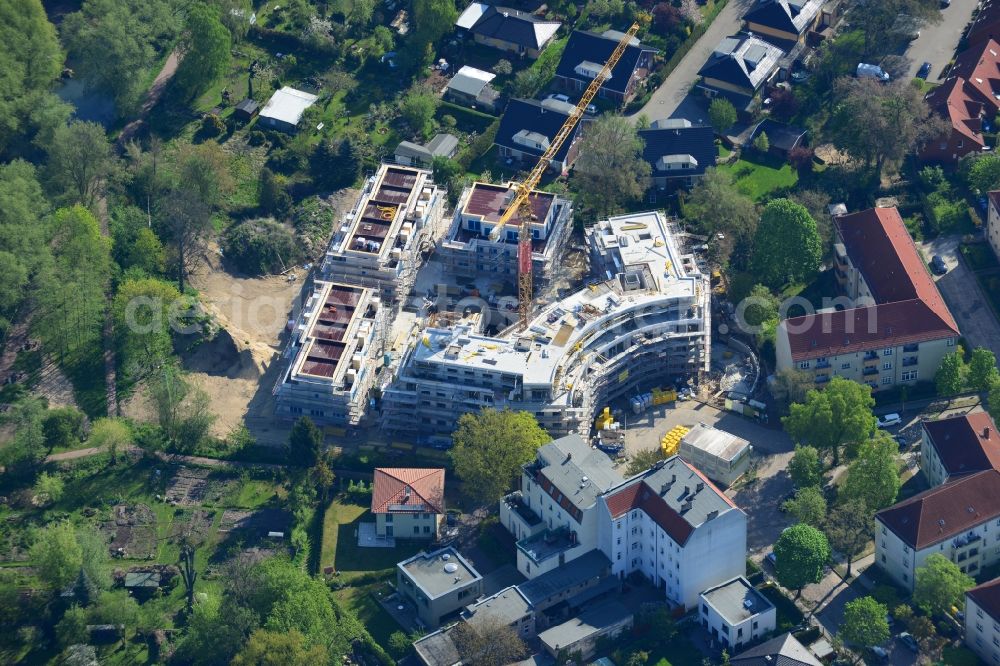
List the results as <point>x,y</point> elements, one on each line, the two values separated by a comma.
<point>938,265</point>
<point>867,71</point>
<point>945,4</point>
<point>591,109</point>
<point>924,71</point>
<point>889,420</point>
<point>909,641</point>
<point>559,97</point>
<point>772,559</point>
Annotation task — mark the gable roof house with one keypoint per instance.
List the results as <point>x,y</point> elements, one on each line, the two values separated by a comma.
<point>958,102</point>
<point>285,108</point>
<point>738,68</point>
<point>952,520</point>
<point>980,66</point>
<point>982,621</point>
<point>986,24</point>
<point>507,29</point>
<point>959,446</point>
<point>677,151</point>
<point>416,154</point>
<point>894,327</point>
<point>585,55</point>
<point>471,87</point>
<point>784,650</point>
<point>526,130</point>
<point>408,503</point>
<point>785,22</point>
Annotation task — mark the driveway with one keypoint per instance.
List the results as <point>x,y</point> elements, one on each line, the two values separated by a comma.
<point>671,99</point>
<point>962,294</point>
<point>936,43</point>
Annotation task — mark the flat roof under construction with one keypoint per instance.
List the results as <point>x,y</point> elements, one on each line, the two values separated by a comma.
<point>488,201</point>
<point>328,330</point>
<point>379,216</point>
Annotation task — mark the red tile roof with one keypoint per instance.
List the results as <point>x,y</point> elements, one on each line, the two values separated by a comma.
<point>488,201</point>
<point>986,24</point>
<point>638,495</point>
<point>987,597</point>
<point>909,308</point>
<point>944,512</point>
<point>965,444</point>
<point>962,105</point>
<point>980,66</point>
<point>408,490</point>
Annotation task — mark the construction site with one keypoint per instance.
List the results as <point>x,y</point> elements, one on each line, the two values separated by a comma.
<point>414,321</point>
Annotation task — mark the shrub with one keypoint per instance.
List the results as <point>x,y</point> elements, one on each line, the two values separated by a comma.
<point>260,246</point>
<point>212,125</point>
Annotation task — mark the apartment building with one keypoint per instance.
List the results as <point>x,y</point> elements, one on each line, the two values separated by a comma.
<point>408,503</point>
<point>381,241</point>
<point>982,621</point>
<point>958,446</point>
<point>993,221</point>
<point>468,251</point>
<point>648,318</point>
<point>959,520</point>
<point>339,334</point>
<point>890,327</point>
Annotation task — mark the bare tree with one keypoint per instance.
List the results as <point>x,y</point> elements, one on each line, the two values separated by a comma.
<point>186,220</point>
<point>487,642</point>
<point>611,170</point>
<point>188,573</point>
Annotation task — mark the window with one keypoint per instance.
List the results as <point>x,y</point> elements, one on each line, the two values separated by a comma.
<point>427,529</point>
<point>755,625</point>
<point>804,365</point>
<point>704,609</point>
<point>908,376</point>
<point>951,342</point>
<point>887,366</point>
<point>886,380</point>
<point>845,366</point>
<point>416,529</point>
<point>887,351</point>
<point>906,578</point>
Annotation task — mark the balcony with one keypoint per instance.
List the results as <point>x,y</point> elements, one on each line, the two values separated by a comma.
<point>911,361</point>
<point>911,348</point>
<point>871,356</point>
<point>515,502</point>
<point>822,379</point>
<point>870,370</point>
<point>547,544</point>
<point>820,365</point>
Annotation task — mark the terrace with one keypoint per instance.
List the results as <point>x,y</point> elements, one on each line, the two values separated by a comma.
<point>547,544</point>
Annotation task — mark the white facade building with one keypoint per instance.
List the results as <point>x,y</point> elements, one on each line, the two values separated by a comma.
<point>958,446</point>
<point>993,221</point>
<point>982,621</point>
<point>735,614</point>
<point>959,520</point>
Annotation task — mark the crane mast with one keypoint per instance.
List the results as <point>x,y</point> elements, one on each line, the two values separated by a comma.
<point>522,190</point>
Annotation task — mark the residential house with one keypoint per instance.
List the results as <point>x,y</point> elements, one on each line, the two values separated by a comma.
<point>437,649</point>
<point>408,503</point>
<point>584,58</point>
<point>986,23</point>
<point>471,87</point>
<point>507,29</point>
<point>980,66</point>
<point>526,130</point>
<point>993,221</point>
<point>959,520</point>
<point>580,634</point>
<point>674,527</point>
<point>784,650</point>
<point>961,104</point>
<point>735,614</point>
<point>415,154</point>
<point>438,584</point>
<point>891,327</point>
<point>958,446</point>
<point>738,68</point>
<point>508,607</point>
<point>677,151</point>
<point>285,108</point>
<point>785,22</point>
<point>982,621</point>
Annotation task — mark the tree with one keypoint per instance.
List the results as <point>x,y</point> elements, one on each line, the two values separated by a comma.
<point>270,648</point>
<point>80,161</point>
<point>873,478</point>
<point>839,414</point>
<point>206,44</point>
<point>503,68</point>
<point>761,143</point>
<point>48,489</point>
<point>181,409</point>
<point>23,249</point>
<point>983,371</point>
<point>417,109</point>
<point>864,622</point>
<point>611,170</point>
<point>787,246</point>
<point>716,206</point>
<point>323,477</point>
<point>94,557</point>
<point>880,18</point>
<point>849,529</point>
<point>431,20</point>
<point>63,427</point>
<point>142,312</point>
<point>993,401</point>
<point>235,15</point>
<point>489,449</point>
<point>72,628</point>
<point>805,467</point>
<point>202,170</point>
<point>643,460</point>
<point>113,435</point>
<point>876,122</point>
<point>721,114</point>
<point>981,172</point>
<point>808,506</point>
<point>188,574</point>
<point>116,608</point>
<point>950,377</point>
<point>790,386</point>
<point>488,642</point>
<point>274,198</point>
<point>760,307</point>
<point>801,552</point>
<point>939,585</point>
<point>56,555</point>
<point>305,442</point>
<point>666,18</point>
<point>24,454</point>
<point>186,221</point>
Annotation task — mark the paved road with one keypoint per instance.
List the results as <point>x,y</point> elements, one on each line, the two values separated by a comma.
<point>962,294</point>
<point>673,93</point>
<point>936,43</point>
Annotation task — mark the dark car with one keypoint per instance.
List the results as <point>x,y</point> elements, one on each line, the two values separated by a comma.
<point>938,265</point>
<point>909,641</point>
<point>924,71</point>
<point>901,442</point>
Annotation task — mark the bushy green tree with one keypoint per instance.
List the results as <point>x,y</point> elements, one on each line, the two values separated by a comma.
<point>983,371</point>
<point>49,488</point>
<point>761,143</point>
<point>142,312</point>
<point>873,477</point>
<point>805,467</point>
<point>489,449</point>
<point>305,443</point>
<point>950,377</point>
<point>63,427</point>
<point>417,109</point>
<point>801,552</point>
<point>982,172</point>
<point>939,585</point>
<point>611,171</point>
<point>80,160</point>
<point>849,529</point>
<point>787,246</point>
<point>864,622</point>
<point>840,414</point>
<point>721,114</point>
<point>270,648</point>
<point>808,506</point>
<point>56,555</point>
<point>205,44</point>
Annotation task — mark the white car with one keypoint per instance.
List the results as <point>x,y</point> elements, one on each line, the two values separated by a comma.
<point>889,420</point>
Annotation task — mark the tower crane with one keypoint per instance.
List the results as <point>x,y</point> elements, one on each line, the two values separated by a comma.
<point>521,201</point>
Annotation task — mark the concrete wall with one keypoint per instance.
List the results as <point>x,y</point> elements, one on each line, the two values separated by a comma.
<point>408,525</point>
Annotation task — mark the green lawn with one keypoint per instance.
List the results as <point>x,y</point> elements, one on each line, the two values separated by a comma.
<point>759,177</point>
<point>979,256</point>
<point>789,615</point>
<point>959,656</point>
<point>340,542</point>
<point>377,621</point>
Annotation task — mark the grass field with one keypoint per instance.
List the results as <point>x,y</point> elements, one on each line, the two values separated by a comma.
<point>340,542</point>
<point>759,177</point>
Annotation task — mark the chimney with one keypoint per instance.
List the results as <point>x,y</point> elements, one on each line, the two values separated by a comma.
<point>687,490</point>
<point>686,506</point>
<point>986,432</point>
<point>699,487</point>
<point>569,456</point>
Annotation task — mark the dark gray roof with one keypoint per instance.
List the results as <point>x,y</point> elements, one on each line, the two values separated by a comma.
<point>586,567</point>
<point>743,60</point>
<point>579,472</point>
<point>437,649</point>
<point>508,606</point>
<point>443,145</point>
<point>530,115</point>
<point>584,46</point>
<point>784,650</point>
<point>591,621</point>
<point>785,15</point>
<point>779,135</point>
<point>698,142</point>
<point>511,25</point>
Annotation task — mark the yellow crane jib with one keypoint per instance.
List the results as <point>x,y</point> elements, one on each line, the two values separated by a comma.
<point>520,200</point>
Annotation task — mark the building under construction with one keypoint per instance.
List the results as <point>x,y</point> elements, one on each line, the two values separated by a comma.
<point>646,322</point>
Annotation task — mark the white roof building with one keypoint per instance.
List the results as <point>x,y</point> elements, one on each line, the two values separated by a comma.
<point>470,81</point>
<point>286,106</point>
